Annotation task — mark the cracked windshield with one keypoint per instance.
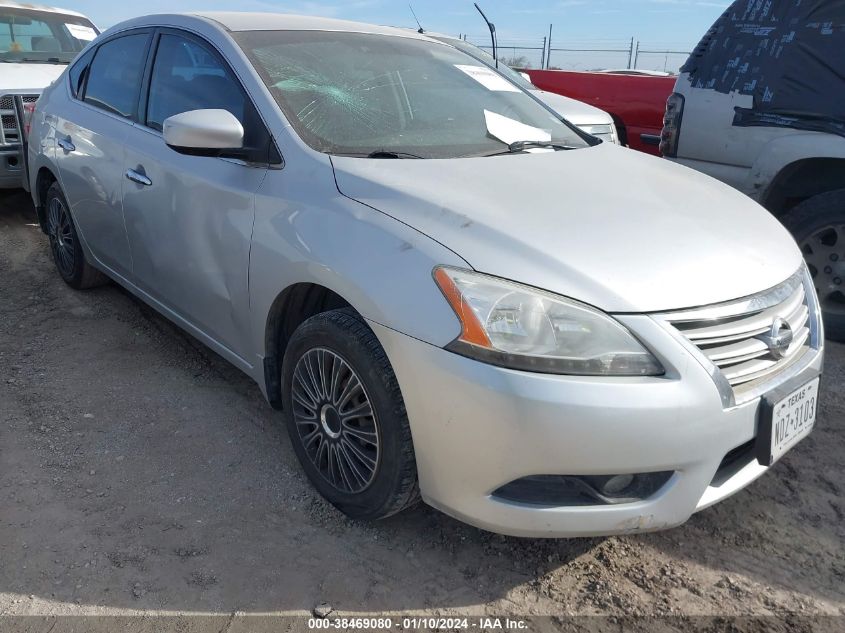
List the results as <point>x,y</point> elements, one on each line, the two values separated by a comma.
<point>385,96</point>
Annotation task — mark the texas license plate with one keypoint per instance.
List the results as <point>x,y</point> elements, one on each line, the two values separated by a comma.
<point>787,421</point>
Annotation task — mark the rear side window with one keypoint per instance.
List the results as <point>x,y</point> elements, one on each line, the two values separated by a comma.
<point>114,78</point>
<point>78,72</point>
<point>186,76</point>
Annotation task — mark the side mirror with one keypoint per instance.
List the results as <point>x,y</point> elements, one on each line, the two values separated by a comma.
<point>204,133</point>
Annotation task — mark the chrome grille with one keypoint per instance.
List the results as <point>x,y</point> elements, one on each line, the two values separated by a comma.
<point>746,342</point>
<point>9,131</point>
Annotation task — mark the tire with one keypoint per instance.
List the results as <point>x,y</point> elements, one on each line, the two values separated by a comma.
<point>364,465</point>
<point>65,245</point>
<point>818,225</point>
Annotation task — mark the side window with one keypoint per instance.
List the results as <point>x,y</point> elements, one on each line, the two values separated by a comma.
<point>114,78</point>
<point>188,76</point>
<point>78,72</point>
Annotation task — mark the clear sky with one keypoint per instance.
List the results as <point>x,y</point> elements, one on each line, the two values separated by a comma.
<point>657,24</point>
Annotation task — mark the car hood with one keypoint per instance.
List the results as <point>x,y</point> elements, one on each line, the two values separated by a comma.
<point>28,77</point>
<point>620,230</point>
<point>576,112</point>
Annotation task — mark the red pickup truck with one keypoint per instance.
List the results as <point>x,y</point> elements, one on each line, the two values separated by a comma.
<point>636,102</point>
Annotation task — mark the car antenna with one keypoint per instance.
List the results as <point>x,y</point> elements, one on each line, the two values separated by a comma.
<point>493,37</point>
<point>421,30</point>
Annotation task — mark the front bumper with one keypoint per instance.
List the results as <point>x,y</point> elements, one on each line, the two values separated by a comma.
<point>477,427</point>
<point>11,167</point>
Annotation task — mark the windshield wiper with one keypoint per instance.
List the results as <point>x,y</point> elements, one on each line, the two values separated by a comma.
<point>49,60</point>
<point>379,153</point>
<point>382,153</point>
<point>520,146</point>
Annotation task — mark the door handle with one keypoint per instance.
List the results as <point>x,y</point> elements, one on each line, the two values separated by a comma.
<point>66,144</point>
<point>141,179</point>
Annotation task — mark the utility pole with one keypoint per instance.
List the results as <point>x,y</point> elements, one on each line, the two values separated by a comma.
<point>543,55</point>
<point>631,54</point>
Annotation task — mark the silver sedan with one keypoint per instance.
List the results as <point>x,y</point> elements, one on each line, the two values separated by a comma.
<point>451,293</point>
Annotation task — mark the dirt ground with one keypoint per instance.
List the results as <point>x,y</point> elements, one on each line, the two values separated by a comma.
<point>140,473</point>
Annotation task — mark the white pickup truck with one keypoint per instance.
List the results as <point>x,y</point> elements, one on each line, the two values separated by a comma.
<point>36,45</point>
<point>760,105</point>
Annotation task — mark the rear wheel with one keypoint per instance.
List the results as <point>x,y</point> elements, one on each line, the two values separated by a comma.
<point>818,225</point>
<point>346,417</point>
<point>65,245</point>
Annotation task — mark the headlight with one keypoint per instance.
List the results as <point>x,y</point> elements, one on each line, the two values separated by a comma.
<point>519,327</point>
<point>605,132</point>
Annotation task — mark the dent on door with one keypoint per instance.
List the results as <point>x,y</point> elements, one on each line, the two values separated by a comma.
<point>190,230</point>
<point>90,168</point>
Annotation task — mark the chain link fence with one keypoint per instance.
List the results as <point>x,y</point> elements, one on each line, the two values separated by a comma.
<point>588,55</point>
<point>668,61</point>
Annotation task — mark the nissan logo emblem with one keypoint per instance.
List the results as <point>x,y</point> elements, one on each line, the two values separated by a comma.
<point>778,338</point>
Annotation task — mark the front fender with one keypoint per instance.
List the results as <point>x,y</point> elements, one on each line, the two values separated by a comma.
<point>307,232</point>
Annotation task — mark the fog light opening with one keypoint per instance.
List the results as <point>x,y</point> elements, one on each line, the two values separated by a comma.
<point>580,490</point>
<point>617,484</point>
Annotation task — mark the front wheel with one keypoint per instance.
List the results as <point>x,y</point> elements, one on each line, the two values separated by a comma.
<point>818,225</point>
<point>346,417</point>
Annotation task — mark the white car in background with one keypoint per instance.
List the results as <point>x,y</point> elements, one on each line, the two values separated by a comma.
<point>36,45</point>
<point>588,118</point>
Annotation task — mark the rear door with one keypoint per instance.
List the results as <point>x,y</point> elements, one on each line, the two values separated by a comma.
<point>90,133</point>
<point>190,218</point>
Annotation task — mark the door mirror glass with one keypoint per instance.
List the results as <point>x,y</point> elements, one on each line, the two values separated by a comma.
<point>204,132</point>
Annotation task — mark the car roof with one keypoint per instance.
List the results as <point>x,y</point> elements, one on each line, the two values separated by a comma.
<point>428,33</point>
<point>6,4</point>
<point>440,37</point>
<point>245,21</point>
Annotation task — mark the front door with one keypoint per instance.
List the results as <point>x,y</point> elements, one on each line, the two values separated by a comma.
<point>189,218</point>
